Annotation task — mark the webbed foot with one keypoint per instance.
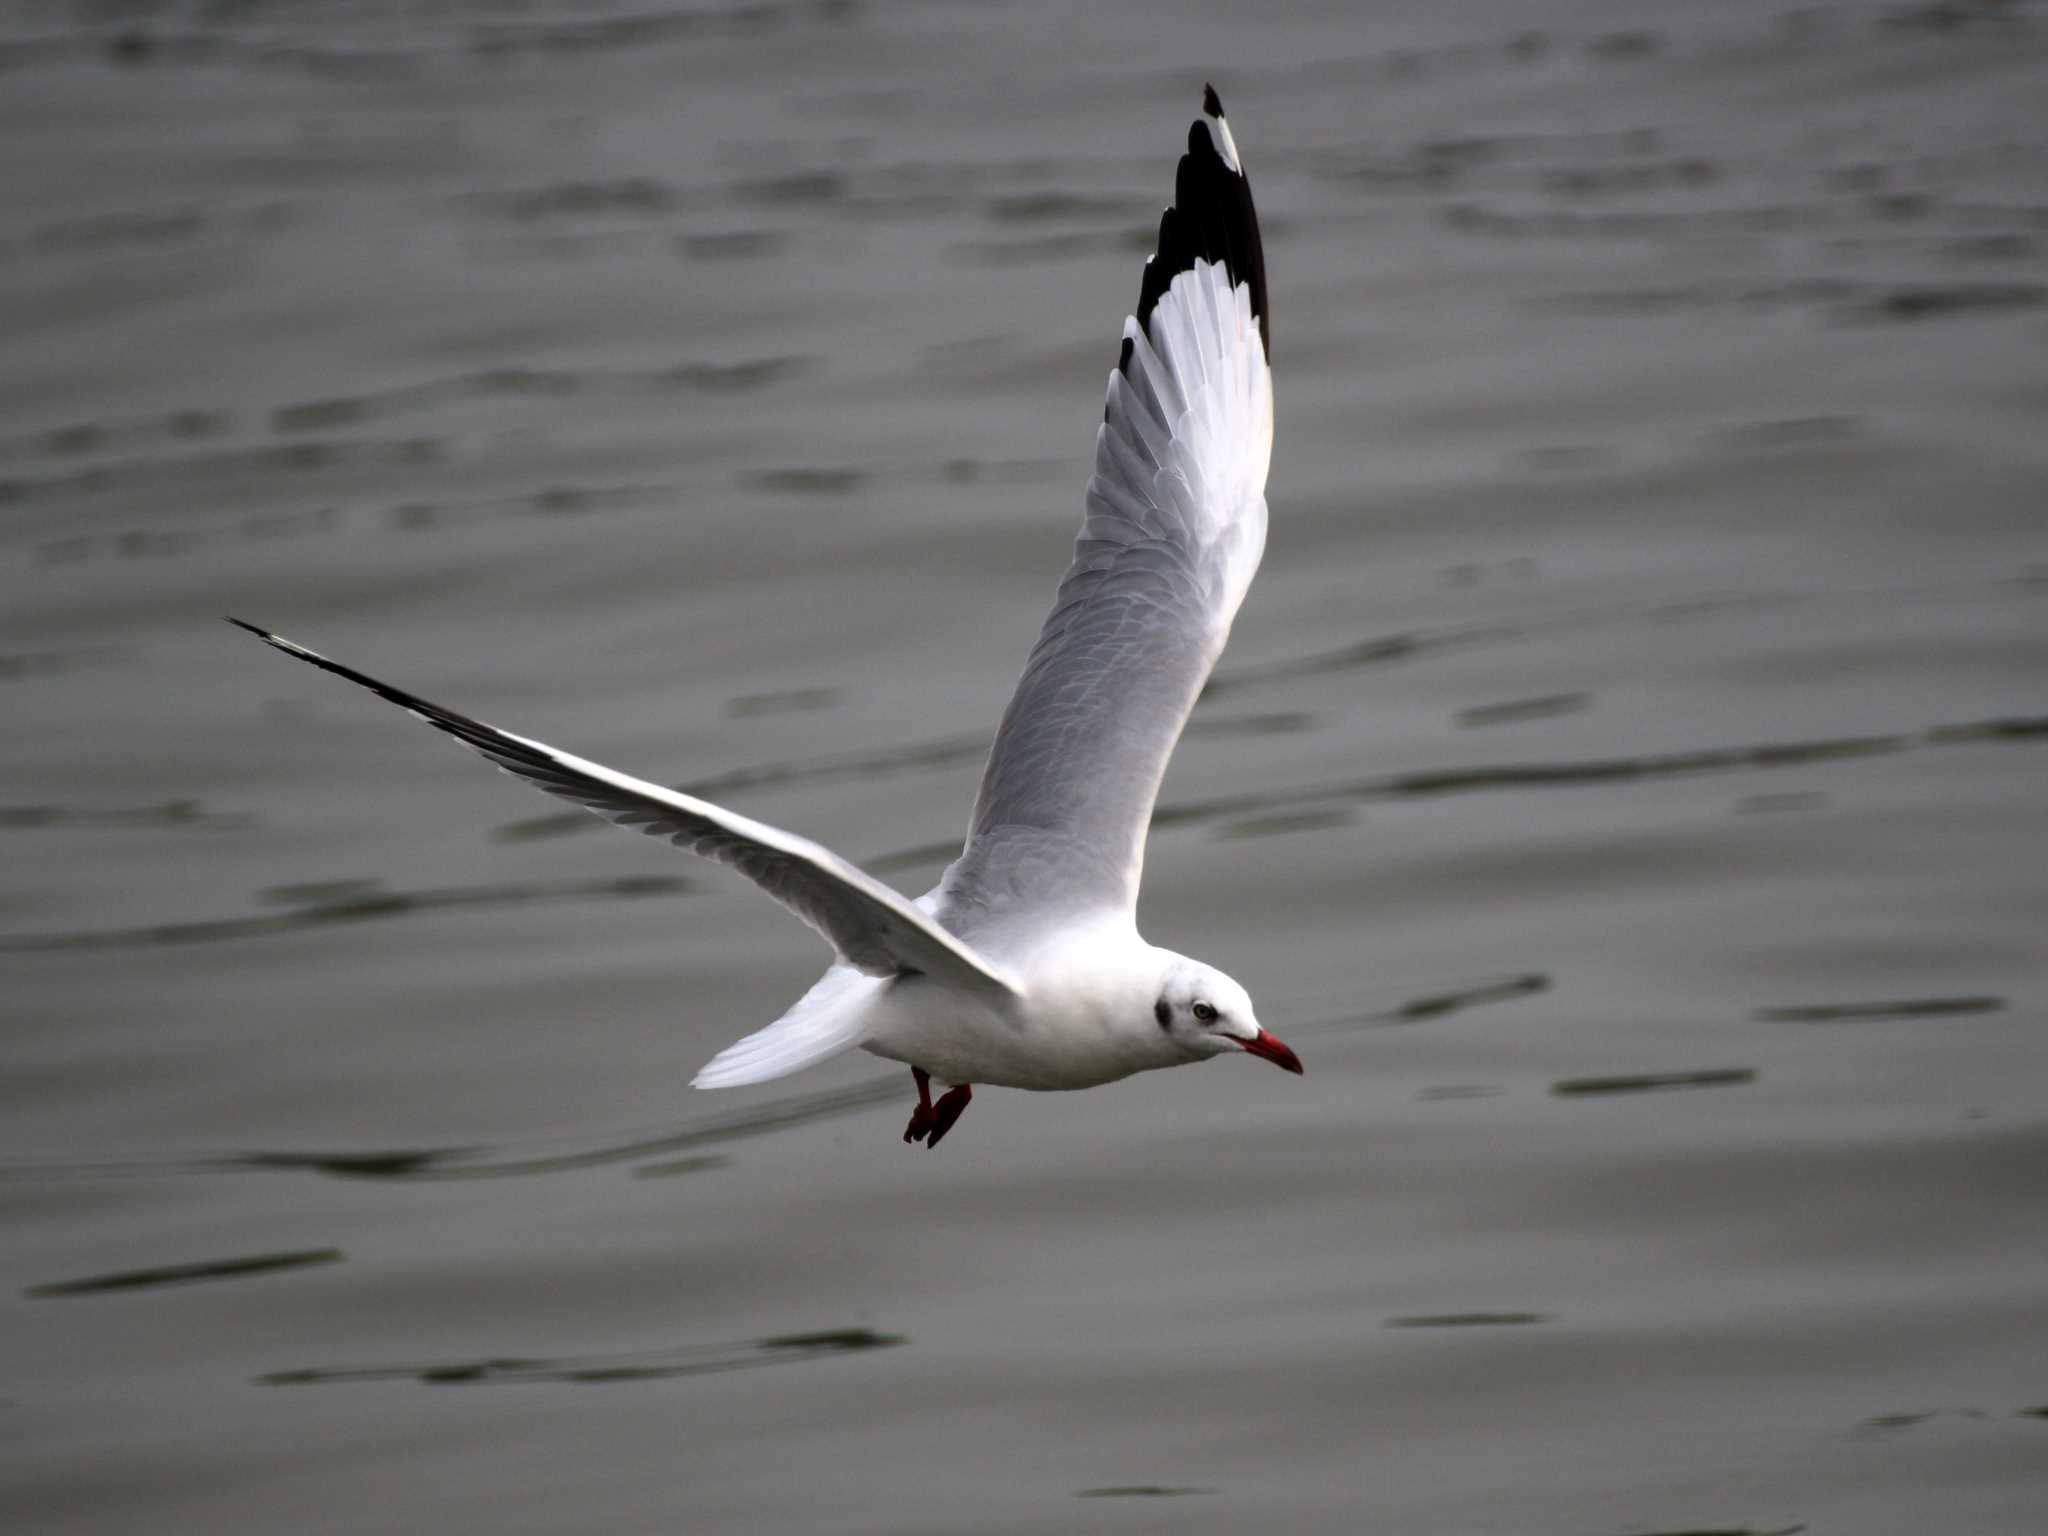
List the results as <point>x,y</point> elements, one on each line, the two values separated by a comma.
<point>947,1110</point>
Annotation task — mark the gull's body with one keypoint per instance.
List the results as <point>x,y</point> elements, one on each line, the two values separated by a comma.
<point>1023,967</point>
<point>1068,1025</point>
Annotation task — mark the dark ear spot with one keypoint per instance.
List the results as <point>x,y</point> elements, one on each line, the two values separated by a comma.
<point>1162,1013</point>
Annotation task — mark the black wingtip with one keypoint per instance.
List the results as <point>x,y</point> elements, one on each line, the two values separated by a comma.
<point>1211,219</point>
<point>261,633</point>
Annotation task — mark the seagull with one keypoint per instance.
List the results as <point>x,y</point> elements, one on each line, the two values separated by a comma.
<point>1023,967</point>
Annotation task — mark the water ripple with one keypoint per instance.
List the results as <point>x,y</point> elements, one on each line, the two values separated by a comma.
<point>186,1274</point>
<point>628,1365</point>
<point>347,901</point>
<point>510,1159</point>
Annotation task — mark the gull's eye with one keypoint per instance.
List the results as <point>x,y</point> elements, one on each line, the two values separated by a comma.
<point>1205,1013</point>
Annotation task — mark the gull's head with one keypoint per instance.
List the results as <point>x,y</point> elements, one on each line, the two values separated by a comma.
<point>1206,1013</point>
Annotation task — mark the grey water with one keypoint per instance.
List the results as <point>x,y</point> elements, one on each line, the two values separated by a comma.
<point>1625,786</point>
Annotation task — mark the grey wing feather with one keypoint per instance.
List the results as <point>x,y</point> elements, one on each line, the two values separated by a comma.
<point>1174,523</point>
<point>873,927</point>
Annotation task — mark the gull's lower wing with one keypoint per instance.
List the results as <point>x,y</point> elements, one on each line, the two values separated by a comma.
<point>1174,523</point>
<point>876,929</point>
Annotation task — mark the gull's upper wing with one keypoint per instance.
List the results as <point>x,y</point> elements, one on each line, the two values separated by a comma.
<point>877,930</point>
<point>1174,522</point>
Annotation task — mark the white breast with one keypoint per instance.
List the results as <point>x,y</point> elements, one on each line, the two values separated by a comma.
<point>1083,1018</point>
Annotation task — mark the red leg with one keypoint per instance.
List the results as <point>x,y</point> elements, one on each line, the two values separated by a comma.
<point>948,1109</point>
<point>921,1119</point>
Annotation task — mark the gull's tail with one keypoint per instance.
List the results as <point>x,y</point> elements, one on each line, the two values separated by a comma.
<point>828,1019</point>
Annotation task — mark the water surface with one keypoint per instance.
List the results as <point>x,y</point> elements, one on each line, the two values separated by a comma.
<point>1624,787</point>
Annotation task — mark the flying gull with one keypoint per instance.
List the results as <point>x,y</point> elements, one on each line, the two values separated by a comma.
<point>1023,967</point>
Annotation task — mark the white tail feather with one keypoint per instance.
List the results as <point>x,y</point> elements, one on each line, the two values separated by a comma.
<point>828,1019</point>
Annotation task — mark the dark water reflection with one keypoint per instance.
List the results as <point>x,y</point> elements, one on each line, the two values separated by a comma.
<point>560,1155</point>
<point>186,1274</point>
<point>321,903</point>
<point>1141,1491</point>
<point>1903,1008</point>
<point>1652,1082</point>
<point>634,1365</point>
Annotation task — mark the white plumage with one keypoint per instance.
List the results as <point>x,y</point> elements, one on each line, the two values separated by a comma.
<point>1023,967</point>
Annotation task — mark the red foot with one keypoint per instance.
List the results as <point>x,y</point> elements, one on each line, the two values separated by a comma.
<point>921,1118</point>
<point>929,1121</point>
<point>947,1110</point>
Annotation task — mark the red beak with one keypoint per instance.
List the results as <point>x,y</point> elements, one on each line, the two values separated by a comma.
<point>1270,1048</point>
